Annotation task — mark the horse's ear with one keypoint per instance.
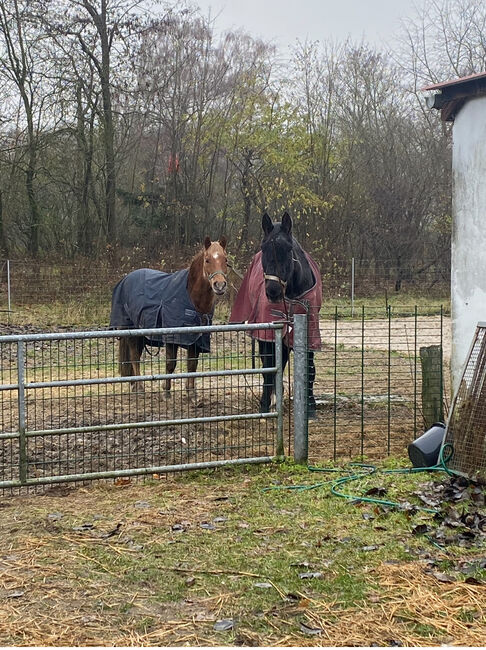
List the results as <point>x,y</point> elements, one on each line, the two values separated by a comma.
<point>222,241</point>
<point>207,242</point>
<point>267,224</point>
<point>287,223</point>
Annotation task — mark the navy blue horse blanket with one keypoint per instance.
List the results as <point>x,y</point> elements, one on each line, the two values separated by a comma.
<point>147,299</point>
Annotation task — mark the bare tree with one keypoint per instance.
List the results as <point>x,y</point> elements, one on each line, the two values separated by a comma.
<point>20,62</point>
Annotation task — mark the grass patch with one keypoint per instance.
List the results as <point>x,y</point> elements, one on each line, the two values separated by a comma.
<point>92,311</point>
<point>402,304</point>
<point>160,563</point>
<point>84,312</point>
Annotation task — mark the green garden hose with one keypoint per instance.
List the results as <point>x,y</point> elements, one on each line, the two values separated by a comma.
<point>445,455</point>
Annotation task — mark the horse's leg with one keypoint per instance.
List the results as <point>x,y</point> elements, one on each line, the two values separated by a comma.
<point>267,355</point>
<point>170,362</point>
<point>135,346</point>
<point>310,385</point>
<point>130,351</point>
<point>285,358</point>
<point>124,361</point>
<point>192,360</point>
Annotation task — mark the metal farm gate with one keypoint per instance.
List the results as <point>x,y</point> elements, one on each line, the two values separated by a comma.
<point>66,415</point>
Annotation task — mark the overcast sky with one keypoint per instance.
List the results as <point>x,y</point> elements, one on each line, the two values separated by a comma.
<point>284,21</point>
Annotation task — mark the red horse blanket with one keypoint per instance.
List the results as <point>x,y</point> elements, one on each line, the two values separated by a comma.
<point>252,305</point>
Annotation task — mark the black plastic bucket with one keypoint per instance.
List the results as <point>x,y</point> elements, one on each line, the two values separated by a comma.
<point>424,451</point>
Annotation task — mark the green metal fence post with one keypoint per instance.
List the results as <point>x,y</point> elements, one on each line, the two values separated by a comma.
<point>362,376</point>
<point>442,362</point>
<point>389,383</point>
<point>335,383</point>
<point>415,372</point>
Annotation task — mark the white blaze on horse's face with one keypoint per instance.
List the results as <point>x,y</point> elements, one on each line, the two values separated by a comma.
<point>215,265</point>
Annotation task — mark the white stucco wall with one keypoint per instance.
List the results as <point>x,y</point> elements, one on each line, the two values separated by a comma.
<point>468,285</point>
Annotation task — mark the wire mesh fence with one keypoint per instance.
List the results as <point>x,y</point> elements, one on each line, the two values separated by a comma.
<point>381,379</point>
<point>33,281</point>
<point>358,278</point>
<point>67,415</point>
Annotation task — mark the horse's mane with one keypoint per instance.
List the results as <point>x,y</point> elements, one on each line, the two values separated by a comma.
<point>199,286</point>
<point>303,278</point>
<point>197,258</point>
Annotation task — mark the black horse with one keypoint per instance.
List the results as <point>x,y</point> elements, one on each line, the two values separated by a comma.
<point>283,277</point>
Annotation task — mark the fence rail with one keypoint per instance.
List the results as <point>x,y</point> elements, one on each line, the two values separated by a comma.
<point>65,416</point>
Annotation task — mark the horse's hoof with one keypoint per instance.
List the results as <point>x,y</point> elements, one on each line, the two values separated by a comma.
<point>312,409</point>
<point>265,408</point>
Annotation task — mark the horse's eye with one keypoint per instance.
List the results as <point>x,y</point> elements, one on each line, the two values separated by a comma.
<point>207,261</point>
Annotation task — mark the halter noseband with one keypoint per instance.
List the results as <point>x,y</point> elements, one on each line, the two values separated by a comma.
<point>283,283</point>
<point>211,275</point>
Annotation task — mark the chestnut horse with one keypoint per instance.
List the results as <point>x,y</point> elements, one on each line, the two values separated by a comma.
<point>147,299</point>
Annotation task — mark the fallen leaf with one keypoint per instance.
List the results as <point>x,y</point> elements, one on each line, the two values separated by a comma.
<point>420,529</point>
<point>141,504</point>
<point>112,532</point>
<point>224,624</point>
<point>122,480</point>
<point>443,577</point>
<point>376,491</point>
<point>83,527</point>
<point>310,631</point>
